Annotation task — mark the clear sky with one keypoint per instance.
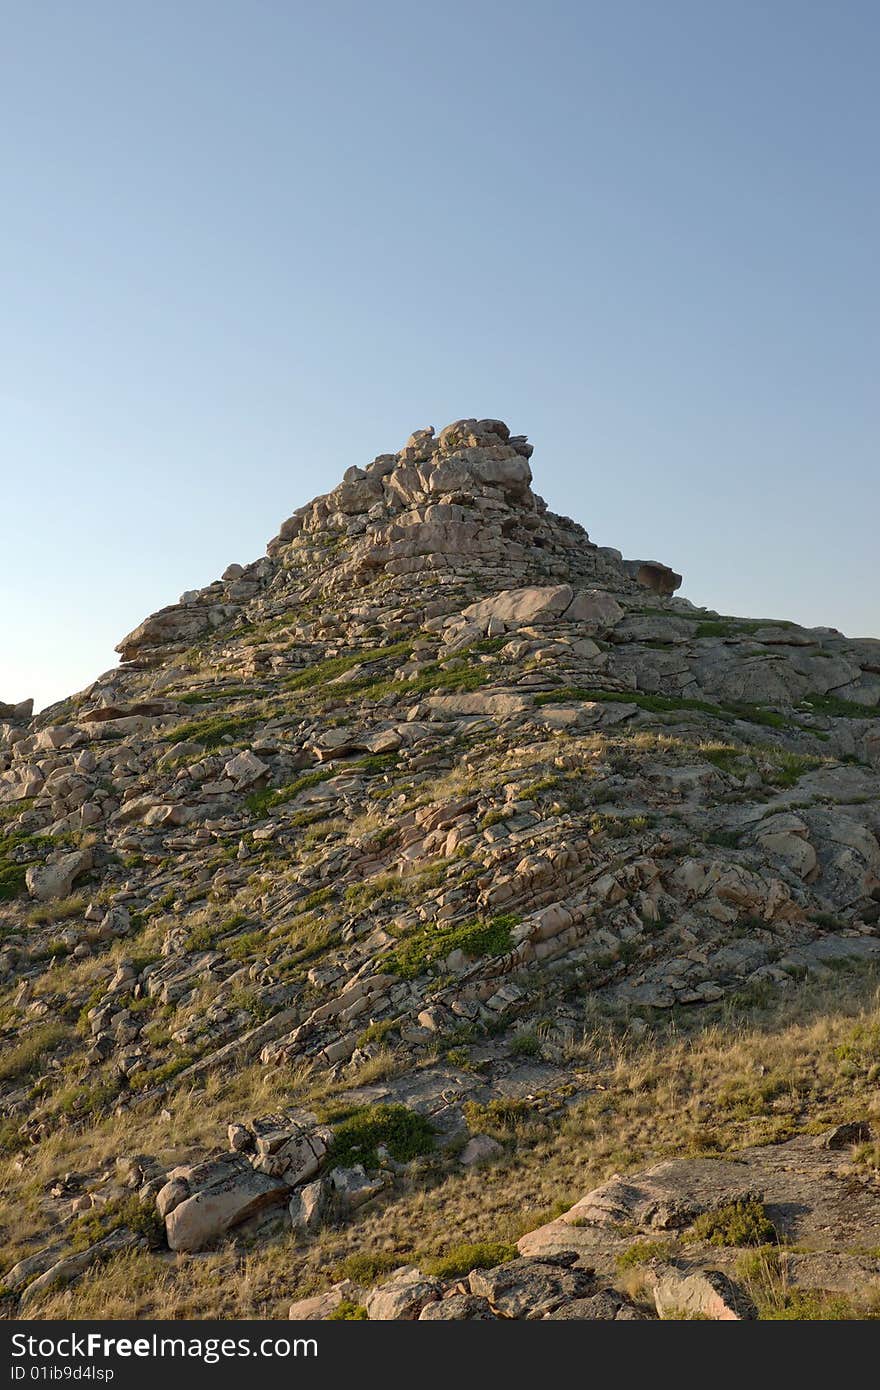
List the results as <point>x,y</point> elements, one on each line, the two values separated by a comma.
<point>247,243</point>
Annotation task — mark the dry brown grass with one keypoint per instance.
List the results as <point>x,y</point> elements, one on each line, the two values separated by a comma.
<point>802,1063</point>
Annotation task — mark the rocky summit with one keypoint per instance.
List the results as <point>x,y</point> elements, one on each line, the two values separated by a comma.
<point>438,917</point>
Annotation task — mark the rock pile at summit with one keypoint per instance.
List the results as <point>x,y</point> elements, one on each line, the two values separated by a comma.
<point>374,799</point>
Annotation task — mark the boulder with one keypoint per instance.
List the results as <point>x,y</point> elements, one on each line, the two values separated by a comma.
<point>699,1293</point>
<point>403,1296</point>
<point>532,1288</point>
<point>48,882</point>
<point>321,1305</point>
<point>223,1193</point>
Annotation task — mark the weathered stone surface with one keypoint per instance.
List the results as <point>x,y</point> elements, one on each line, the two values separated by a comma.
<point>70,1267</point>
<point>224,1192</point>
<point>403,1296</point>
<point>481,1148</point>
<point>47,882</point>
<point>307,1207</point>
<point>457,1307</point>
<point>695,1293</point>
<point>531,1288</point>
<point>321,1305</point>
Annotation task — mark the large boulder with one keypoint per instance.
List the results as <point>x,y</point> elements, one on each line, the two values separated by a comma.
<point>539,604</point>
<point>213,1197</point>
<point>48,882</point>
<point>699,1293</point>
<point>532,1288</point>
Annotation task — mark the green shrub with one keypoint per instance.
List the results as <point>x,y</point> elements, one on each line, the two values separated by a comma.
<point>130,1213</point>
<point>642,1252</point>
<point>348,1312</point>
<point>366,1266</point>
<point>429,944</point>
<point>497,1118</point>
<point>737,1223</point>
<point>358,1134</point>
<point>461,1259</point>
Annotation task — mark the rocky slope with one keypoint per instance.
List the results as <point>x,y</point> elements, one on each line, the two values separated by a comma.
<point>387,817</point>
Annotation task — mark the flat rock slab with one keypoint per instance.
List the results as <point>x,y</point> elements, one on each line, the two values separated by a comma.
<point>810,1191</point>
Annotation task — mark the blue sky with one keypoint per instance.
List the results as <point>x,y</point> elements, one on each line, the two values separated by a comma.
<point>248,243</point>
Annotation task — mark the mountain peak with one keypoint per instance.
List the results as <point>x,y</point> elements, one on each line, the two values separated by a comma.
<point>457,505</point>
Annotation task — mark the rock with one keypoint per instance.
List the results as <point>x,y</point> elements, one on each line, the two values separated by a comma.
<point>240,1138</point>
<point>403,1296</point>
<point>224,1192</point>
<point>660,579</point>
<point>605,1306</point>
<point>844,1136</point>
<point>698,1293</point>
<point>306,1207</point>
<point>457,1307</point>
<point>479,1149</point>
<point>285,1148</point>
<point>352,1188</point>
<point>531,1288</point>
<point>321,1305</point>
<point>48,882</point>
<point>30,1266</point>
<point>22,710</point>
<point>245,769</point>
<point>66,1270</point>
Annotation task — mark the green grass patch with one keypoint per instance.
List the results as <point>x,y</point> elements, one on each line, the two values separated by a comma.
<point>26,1056</point>
<point>430,944</point>
<point>216,729</point>
<point>204,937</point>
<point>359,1132</point>
<point>322,672</point>
<point>664,704</point>
<point>836,708</point>
<point>261,803</point>
<point>737,1223</point>
<point>461,1259</point>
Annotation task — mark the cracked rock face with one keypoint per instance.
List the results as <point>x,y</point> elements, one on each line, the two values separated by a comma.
<point>434,772</point>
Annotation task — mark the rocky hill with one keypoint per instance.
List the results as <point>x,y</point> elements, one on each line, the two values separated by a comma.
<point>406,882</point>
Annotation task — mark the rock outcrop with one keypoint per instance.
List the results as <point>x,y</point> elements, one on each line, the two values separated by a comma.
<point>434,772</point>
